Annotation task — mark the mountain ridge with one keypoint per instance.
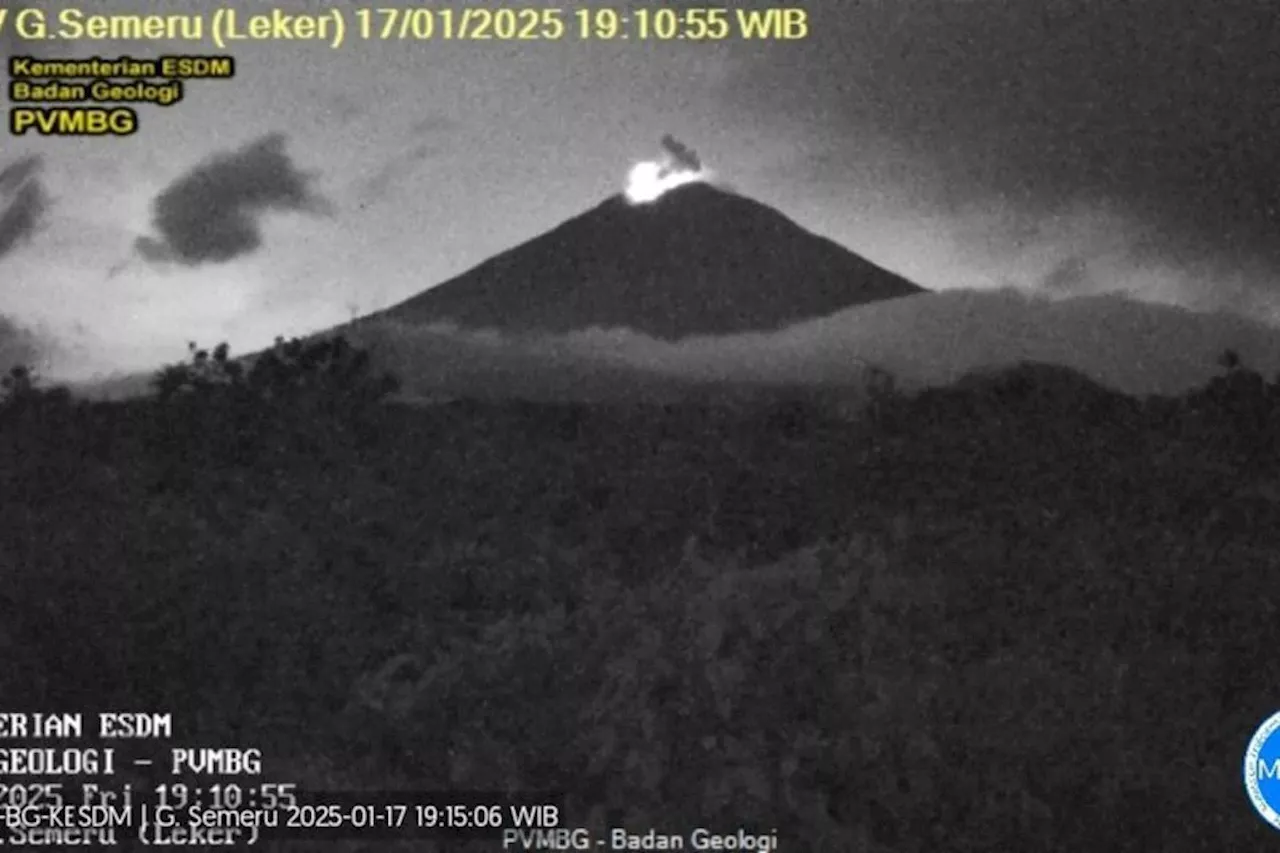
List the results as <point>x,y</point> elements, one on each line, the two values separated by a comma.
<point>699,260</point>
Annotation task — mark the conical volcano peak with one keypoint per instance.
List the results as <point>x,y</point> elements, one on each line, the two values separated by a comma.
<point>697,226</point>
<point>694,204</point>
<point>696,260</point>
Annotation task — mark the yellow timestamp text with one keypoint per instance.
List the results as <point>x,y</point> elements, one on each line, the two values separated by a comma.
<point>338,24</point>
<point>425,23</point>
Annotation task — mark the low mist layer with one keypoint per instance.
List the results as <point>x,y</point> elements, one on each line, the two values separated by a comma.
<point>931,339</point>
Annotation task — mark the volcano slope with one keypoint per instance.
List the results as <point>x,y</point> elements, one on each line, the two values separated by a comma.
<point>698,260</point>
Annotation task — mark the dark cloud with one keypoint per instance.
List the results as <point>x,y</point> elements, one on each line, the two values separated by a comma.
<point>20,344</point>
<point>23,202</point>
<point>1168,110</point>
<point>684,156</point>
<point>425,140</point>
<point>211,214</point>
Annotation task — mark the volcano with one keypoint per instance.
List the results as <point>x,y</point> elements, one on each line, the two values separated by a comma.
<point>698,260</point>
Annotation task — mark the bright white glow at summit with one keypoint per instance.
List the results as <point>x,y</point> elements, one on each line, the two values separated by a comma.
<point>648,180</point>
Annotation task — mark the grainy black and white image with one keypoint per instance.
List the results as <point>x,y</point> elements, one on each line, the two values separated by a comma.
<point>798,425</point>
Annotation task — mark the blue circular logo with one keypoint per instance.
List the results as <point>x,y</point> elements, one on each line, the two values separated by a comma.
<point>1262,770</point>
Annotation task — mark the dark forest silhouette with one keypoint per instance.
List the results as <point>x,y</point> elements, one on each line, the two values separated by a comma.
<point>1023,612</point>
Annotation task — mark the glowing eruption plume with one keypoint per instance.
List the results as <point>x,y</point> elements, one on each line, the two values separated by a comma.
<point>648,180</point>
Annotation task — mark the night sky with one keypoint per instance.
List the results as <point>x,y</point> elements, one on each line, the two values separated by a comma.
<point>1063,146</point>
